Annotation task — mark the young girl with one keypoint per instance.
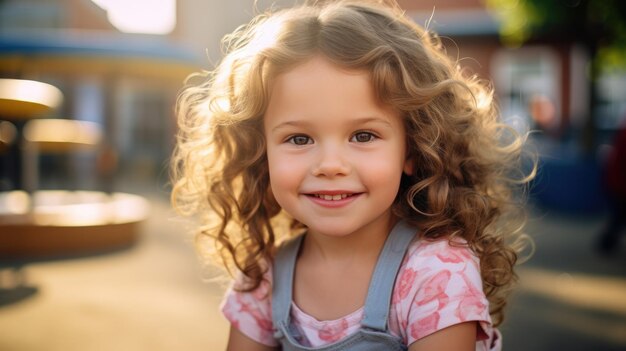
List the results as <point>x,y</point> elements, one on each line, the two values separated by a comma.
<point>355,180</point>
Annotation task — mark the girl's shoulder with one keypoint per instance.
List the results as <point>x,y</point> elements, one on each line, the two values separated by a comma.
<point>440,252</point>
<point>450,268</point>
<point>438,285</point>
<point>250,312</point>
<point>449,265</point>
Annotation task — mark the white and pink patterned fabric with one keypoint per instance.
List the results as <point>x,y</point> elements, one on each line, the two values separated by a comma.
<point>438,285</point>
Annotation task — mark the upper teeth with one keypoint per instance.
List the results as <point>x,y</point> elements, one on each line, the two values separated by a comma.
<point>332,197</point>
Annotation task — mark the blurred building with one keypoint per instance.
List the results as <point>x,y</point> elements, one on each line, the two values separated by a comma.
<point>126,82</point>
<point>45,14</point>
<point>542,85</point>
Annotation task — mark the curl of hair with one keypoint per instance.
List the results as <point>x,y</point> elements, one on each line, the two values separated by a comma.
<point>468,178</point>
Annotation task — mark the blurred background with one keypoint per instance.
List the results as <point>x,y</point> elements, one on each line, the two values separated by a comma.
<point>93,258</point>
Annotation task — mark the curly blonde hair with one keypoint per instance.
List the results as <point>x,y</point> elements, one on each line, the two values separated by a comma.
<point>468,164</point>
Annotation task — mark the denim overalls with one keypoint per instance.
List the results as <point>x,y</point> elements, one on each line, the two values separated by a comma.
<point>373,334</point>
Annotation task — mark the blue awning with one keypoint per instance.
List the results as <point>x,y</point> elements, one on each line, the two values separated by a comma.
<point>94,44</point>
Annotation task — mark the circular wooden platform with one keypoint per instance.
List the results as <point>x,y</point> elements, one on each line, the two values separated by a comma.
<point>67,223</point>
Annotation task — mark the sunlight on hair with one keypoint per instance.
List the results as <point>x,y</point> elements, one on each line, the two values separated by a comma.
<point>141,16</point>
<point>483,99</point>
<point>222,103</point>
<point>266,35</point>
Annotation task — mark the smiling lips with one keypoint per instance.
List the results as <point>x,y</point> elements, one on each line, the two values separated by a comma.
<point>333,199</point>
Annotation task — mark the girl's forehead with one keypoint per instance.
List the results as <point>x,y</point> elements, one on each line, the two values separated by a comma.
<point>321,70</point>
<point>320,61</point>
<point>318,77</point>
<point>319,89</point>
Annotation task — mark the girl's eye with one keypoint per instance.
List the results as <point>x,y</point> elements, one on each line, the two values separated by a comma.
<point>363,137</point>
<point>300,140</point>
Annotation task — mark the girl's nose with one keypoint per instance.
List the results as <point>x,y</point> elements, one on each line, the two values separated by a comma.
<point>331,162</point>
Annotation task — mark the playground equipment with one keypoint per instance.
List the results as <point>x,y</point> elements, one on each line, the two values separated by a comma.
<point>42,224</point>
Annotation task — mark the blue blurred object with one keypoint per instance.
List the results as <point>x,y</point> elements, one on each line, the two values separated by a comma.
<point>93,44</point>
<point>569,182</point>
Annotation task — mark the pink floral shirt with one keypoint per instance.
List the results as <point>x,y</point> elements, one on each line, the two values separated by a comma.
<point>438,286</point>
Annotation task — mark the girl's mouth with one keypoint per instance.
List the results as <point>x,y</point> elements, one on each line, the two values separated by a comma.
<point>335,197</point>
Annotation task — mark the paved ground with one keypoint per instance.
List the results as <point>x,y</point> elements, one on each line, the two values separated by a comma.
<point>571,298</point>
<point>153,297</point>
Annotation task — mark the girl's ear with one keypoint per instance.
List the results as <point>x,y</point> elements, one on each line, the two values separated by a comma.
<point>408,166</point>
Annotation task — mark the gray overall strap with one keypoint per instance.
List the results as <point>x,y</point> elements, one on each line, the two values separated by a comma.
<point>378,301</point>
<point>282,285</point>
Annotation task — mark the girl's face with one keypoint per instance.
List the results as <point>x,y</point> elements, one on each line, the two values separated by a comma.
<point>335,153</point>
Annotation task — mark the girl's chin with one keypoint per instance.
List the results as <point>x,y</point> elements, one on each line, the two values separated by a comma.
<point>331,231</point>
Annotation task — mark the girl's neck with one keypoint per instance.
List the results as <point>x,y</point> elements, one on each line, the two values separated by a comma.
<point>362,244</point>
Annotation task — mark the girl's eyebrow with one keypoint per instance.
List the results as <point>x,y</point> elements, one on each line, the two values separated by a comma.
<point>366,120</point>
<point>356,121</point>
<point>296,123</point>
